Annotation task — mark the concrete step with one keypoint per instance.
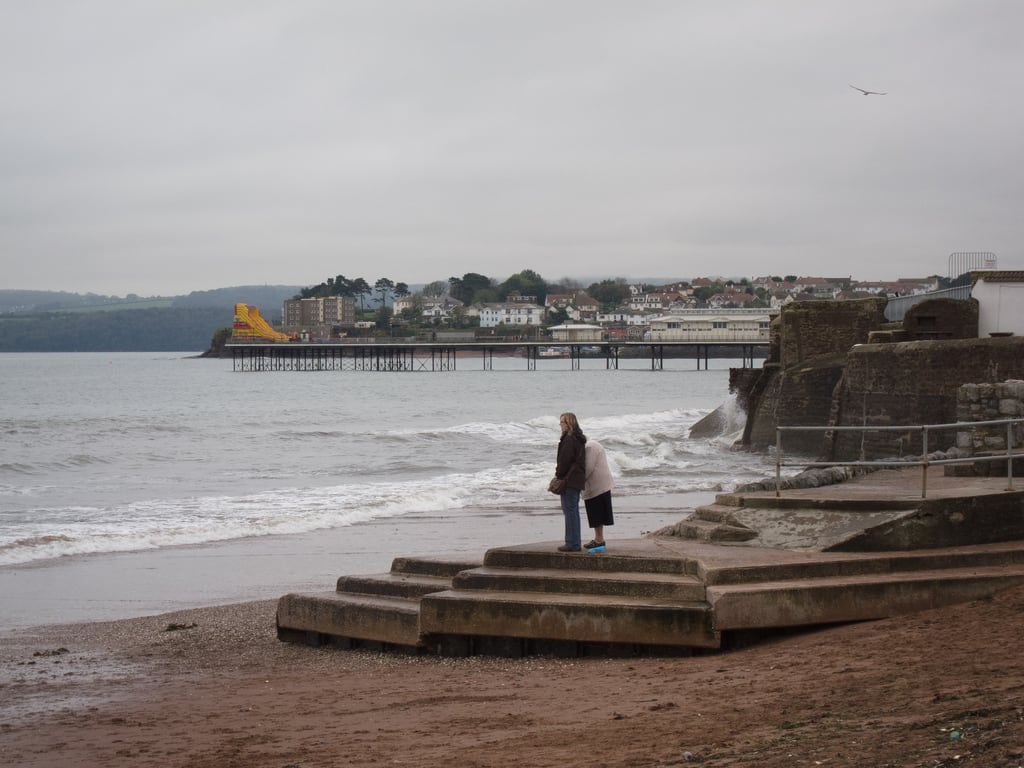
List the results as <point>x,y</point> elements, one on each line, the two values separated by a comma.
<point>652,593</point>
<point>665,586</point>
<point>408,585</point>
<point>717,513</point>
<point>380,618</point>
<point>528,556</point>
<point>801,499</point>
<point>575,618</point>
<point>697,529</point>
<point>883,564</point>
<point>382,608</point>
<point>840,599</point>
<point>439,565</point>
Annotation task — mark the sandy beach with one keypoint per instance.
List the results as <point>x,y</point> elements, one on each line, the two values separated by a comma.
<point>214,687</point>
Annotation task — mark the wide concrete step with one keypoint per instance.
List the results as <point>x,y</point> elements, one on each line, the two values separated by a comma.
<point>380,618</point>
<point>528,556</point>
<point>578,618</point>
<point>441,565</point>
<point>665,586</point>
<point>805,500</point>
<point>408,585</point>
<point>819,566</point>
<point>838,599</point>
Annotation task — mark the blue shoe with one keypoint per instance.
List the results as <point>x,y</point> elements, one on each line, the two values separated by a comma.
<point>594,548</point>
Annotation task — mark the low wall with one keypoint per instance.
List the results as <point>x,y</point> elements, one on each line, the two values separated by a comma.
<point>914,383</point>
<point>990,402</point>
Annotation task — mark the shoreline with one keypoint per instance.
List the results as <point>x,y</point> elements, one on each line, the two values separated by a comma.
<point>110,586</point>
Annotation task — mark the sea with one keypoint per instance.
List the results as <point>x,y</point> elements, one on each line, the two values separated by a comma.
<point>137,483</point>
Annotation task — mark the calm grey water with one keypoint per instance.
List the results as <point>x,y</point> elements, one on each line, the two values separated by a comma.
<point>150,452</point>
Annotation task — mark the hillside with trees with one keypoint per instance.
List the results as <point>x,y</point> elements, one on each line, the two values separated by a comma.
<point>136,330</point>
<point>57,321</point>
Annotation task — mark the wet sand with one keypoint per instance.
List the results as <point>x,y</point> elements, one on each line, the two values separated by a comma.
<point>214,687</point>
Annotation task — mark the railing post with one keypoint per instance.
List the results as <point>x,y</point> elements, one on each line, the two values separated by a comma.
<point>924,461</point>
<point>1009,455</point>
<point>778,462</point>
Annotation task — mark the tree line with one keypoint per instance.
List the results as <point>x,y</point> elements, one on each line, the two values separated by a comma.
<point>471,288</point>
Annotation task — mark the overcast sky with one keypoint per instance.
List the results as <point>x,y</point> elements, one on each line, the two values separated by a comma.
<point>163,146</point>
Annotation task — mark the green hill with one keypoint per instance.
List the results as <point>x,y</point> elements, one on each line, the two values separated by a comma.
<point>56,321</point>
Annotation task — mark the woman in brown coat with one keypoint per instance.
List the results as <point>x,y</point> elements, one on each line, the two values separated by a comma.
<point>571,465</point>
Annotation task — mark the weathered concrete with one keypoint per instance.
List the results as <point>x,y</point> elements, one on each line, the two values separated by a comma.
<point>670,592</point>
<point>381,608</point>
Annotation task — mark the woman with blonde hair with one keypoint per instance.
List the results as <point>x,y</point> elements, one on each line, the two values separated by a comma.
<point>571,465</point>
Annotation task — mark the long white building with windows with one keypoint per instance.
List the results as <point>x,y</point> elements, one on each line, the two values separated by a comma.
<point>712,325</point>
<point>511,313</point>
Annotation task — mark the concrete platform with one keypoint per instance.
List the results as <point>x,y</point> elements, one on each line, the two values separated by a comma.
<point>755,565</point>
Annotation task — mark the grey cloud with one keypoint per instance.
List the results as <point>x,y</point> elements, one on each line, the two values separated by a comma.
<point>160,147</point>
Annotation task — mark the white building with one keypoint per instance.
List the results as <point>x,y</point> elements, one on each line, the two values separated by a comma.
<point>624,316</point>
<point>1000,296</point>
<point>712,325</point>
<point>511,313</point>
<point>577,332</point>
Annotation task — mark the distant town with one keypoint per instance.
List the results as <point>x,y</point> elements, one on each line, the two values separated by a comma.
<point>526,306</point>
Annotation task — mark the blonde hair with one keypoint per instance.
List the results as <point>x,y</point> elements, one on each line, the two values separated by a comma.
<point>572,425</point>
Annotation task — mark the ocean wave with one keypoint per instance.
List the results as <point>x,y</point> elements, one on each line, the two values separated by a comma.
<point>157,523</point>
<point>18,468</point>
<point>190,462</point>
<point>154,523</point>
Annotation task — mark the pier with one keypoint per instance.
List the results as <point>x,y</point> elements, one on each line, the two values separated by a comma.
<point>394,355</point>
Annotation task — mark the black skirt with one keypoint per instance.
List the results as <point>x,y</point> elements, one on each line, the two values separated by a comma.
<point>599,510</point>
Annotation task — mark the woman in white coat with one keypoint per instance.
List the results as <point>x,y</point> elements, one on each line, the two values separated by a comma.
<point>597,495</point>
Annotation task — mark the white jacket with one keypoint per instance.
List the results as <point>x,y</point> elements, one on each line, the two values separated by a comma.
<point>599,476</point>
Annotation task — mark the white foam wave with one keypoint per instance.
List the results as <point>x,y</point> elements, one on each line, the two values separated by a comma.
<point>160,523</point>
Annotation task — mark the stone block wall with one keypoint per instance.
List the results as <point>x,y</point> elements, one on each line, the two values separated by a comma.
<point>914,383</point>
<point>809,329</point>
<point>990,402</point>
<point>823,370</point>
<point>941,319</point>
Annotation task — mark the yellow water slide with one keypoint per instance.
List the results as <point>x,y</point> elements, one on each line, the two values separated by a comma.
<point>250,325</point>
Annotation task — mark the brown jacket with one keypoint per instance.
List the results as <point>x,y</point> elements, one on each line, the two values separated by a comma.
<point>572,461</point>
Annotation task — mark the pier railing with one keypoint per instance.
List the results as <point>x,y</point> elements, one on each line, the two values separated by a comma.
<point>923,461</point>
<point>396,355</point>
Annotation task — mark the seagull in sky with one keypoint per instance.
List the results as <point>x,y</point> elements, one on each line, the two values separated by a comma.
<point>868,93</point>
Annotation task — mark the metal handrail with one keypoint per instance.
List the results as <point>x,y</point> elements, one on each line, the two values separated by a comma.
<point>924,461</point>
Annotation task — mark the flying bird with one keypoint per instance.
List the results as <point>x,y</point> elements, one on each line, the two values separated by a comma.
<point>868,93</point>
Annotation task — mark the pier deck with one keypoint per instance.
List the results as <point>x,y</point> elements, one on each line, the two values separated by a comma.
<point>397,355</point>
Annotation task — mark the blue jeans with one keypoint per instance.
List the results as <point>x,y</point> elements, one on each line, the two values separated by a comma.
<point>571,512</point>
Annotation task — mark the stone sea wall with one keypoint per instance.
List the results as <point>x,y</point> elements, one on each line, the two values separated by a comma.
<point>914,383</point>
<point>823,369</point>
